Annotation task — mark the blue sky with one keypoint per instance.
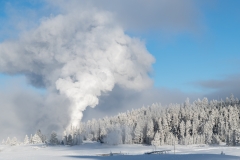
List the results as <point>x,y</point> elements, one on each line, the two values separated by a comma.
<point>183,58</point>
<point>213,54</point>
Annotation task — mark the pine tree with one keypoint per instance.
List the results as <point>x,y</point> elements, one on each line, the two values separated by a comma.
<point>26,140</point>
<point>31,139</point>
<point>188,138</point>
<point>128,135</point>
<point>150,131</point>
<point>8,141</point>
<point>182,132</point>
<point>215,139</point>
<point>14,141</point>
<point>103,133</point>
<point>138,134</point>
<point>79,139</point>
<point>208,132</point>
<point>53,139</point>
<point>3,142</point>
<point>64,139</point>
<point>69,140</point>
<point>156,140</point>
<point>39,133</point>
<point>36,139</point>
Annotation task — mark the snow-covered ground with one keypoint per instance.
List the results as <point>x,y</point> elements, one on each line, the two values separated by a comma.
<point>94,151</point>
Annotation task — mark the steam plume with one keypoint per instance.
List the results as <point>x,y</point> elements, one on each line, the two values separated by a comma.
<point>80,55</point>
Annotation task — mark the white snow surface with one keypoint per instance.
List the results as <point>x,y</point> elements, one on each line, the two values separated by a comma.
<point>96,151</point>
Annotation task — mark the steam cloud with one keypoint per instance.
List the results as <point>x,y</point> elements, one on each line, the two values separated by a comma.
<point>80,55</point>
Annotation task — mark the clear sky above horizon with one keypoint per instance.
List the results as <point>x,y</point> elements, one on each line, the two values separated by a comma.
<point>211,53</point>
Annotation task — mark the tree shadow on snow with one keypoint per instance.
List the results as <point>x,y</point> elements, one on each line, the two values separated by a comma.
<point>165,157</point>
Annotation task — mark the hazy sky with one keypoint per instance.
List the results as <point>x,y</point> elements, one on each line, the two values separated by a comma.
<point>195,45</point>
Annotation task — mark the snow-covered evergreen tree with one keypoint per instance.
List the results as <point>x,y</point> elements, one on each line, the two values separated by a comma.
<point>69,140</point>
<point>26,140</point>
<point>103,133</point>
<point>78,139</point>
<point>43,137</point>
<point>150,131</point>
<point>156,140</point>
<point>138,135</point>
<point>64,138</point>
<point>36,139</point>
<point>128,135</point>
<point>3,142</point>
<point>53,139</point>
<point>14,141</point>
<point>30,139</point>
<point>182,132</point>
<point>8,141</point>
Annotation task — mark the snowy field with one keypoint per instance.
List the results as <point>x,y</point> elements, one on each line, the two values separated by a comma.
<point>95,151</point>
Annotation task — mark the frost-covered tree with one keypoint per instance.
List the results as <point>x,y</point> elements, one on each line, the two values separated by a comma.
<point>69,140</point>
<point>77,139</point>
<point>138,135</point>
<point>53,139</point>
<point>237,137</point>
<point>3,142</point>
<point>161,134</point>
<point>182,132</point>
<point>216,139</point>
<point>64,138</point>
<point>150,131</point>
<point>36,139</point>
<point>103,133</point>
<point>26,140</point>
<point>188,137</point>
<point>14,141</point>
<point>208,132</point>
<point>43,137</point>
<point>128,135</point>
<point>8,141</point>
<point>156,140</point>
<point>30,139</point>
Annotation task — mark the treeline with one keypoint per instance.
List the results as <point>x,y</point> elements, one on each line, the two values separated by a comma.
<point>37,138</point>
<point>200,122</point>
